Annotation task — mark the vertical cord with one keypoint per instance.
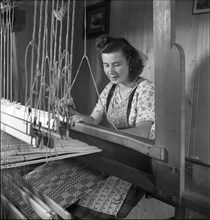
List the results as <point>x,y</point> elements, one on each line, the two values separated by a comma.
<point>8,46</point>
<point>89,66</point>
<point>4,65</point>
<point>54,58</point>
<point>38,58</point>
<point>72,40</point>
<point>85,28</point>
<point>42,73</point>
<point>1,54</point>
<point>71,52</point>
<point>11,53</point>
<point>51,62</point>
<point>67,30</point>
<point>32,55</point>
<point>51,35</point>
<point>59,88</point>
<point>67,9</point>
<point>55,35</point>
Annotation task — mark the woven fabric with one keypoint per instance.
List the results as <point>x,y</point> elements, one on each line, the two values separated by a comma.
<point>17,201</point>
<point>64,181</point>
<point>133,197</point>
<point>108,197</point>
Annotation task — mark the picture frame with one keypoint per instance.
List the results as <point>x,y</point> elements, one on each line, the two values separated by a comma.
<point>97,18</point>
<point>201,6</point>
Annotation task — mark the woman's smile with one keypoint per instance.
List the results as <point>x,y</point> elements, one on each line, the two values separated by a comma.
<point>114,78</point>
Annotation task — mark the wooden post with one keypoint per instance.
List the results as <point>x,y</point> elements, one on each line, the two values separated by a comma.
<point>169,102</point>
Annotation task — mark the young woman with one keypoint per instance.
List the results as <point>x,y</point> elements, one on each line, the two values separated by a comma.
<point>131,105</point>
<point>128,101</point>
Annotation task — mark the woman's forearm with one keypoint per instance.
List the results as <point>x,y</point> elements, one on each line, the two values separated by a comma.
<point>142,129</point>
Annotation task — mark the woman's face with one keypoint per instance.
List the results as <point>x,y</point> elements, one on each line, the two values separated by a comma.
<point>116,67</point>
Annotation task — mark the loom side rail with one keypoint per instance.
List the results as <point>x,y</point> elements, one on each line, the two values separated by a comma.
<point>139,144</point>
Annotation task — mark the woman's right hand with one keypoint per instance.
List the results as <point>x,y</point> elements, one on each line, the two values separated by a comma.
<point>76,118</point>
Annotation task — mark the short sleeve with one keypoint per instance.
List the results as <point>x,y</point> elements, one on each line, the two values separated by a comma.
<point>145,102</point>
<point>101,104</point>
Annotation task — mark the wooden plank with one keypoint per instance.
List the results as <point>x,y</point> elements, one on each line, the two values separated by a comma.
<point>196,202</point>
<point>170,112</point>
<point>142,145</point>
<point>127,173</point>
<point>40,210</point>
<point>11,209</point>
<point>17,123</point>
<point>48,201</point>
<point>18,134</point>
<point>196,195</point>
<point>19,164</point>
<point>21,188</point>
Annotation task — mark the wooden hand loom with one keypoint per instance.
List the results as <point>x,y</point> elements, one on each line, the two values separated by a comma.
<point>159,167</point>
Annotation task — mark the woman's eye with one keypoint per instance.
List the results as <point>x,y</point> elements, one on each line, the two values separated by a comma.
<point>106,65</point>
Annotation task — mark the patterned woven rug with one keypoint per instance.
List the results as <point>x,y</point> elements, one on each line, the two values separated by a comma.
<point>108,197</point>
<point>64,181</point>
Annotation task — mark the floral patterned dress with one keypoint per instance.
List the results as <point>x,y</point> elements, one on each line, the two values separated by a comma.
<point>108,197</point>
<point>142,106</point>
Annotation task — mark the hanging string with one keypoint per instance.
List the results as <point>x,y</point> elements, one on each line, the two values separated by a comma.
<point>32,53</point>
<point>53,85</point>
<point>85,57</point>
<point>38,58</point>
<point>33,80</point>
<point>72,41</point>
<point>4,65</point>
<point>59,88</point>
<point>1,55</point>
<point>42,74</point>
<point>11,57</point>
<point>85,27</point>
<point>67,30</point>
<point>8,50</point>
<point>66,69</point>
<point>55,36</point>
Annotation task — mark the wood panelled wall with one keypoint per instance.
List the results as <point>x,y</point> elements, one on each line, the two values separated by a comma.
<point>193,35</point>
<point>133,19</point>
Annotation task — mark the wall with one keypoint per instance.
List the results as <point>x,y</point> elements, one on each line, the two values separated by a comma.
<point>193,34</point>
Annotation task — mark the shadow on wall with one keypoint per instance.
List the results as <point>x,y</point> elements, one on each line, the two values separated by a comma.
<point>198,131</point>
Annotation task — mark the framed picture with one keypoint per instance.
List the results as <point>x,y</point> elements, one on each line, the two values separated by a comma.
<point>97,18</point>
<point>201,6</point>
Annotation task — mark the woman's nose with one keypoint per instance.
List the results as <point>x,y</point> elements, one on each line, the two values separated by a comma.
<point>111,69</point>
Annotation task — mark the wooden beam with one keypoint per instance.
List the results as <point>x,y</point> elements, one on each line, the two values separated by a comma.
<point>141,145</point>
<point>169,102</point>
<point>39,208</point>
<point>34,193</point>
<point>10,209</point>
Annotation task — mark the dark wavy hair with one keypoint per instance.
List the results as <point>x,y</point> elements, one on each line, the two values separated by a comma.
<point>135,59</point>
